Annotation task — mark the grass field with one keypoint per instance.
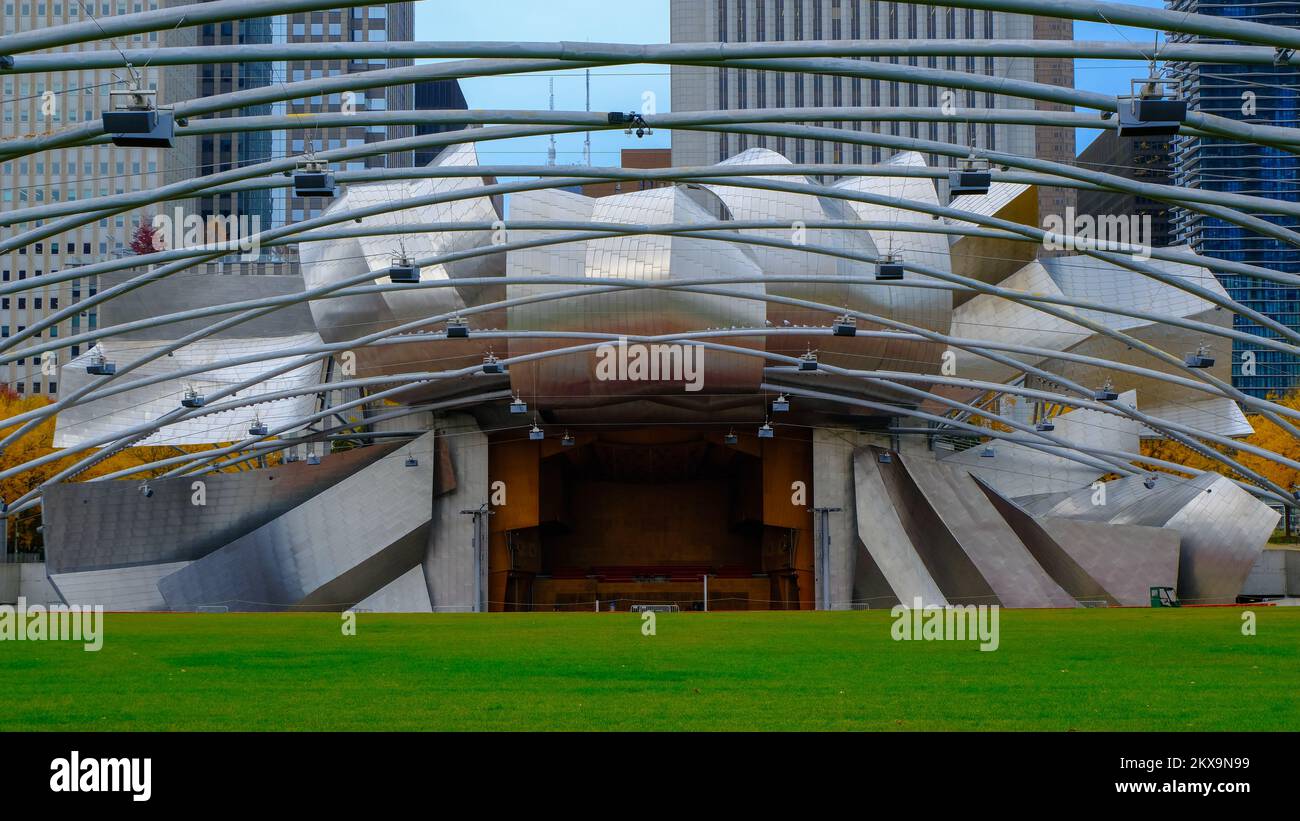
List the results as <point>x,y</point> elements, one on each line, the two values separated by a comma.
<point>1055,670</point>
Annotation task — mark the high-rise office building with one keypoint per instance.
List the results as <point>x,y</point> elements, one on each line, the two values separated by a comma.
<point>46,103</point>
<point>1143,159</point>
<point>1261,94</point>
<point>436,95</point>
<point>219,152</point>
<point>738,21</point>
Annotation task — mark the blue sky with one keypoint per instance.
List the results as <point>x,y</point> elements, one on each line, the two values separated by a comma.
<point>612,89</point>
<point>635,21</point>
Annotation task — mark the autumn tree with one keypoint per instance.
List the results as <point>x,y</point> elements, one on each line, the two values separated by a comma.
<point>39,442</point>
<point>142,241</point>
<point>1267,435</point>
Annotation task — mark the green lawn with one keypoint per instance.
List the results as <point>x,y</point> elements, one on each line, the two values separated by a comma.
<point>1139,669</point>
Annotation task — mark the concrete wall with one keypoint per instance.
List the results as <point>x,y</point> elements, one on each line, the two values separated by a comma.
<point>28,581</point>
<point>449,555</point>
<point>1276,573</point>
<point>833,487</point>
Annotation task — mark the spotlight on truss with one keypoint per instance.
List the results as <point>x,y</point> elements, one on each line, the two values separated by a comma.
<point>403,270</point>
<point>889,268</point>
<point>100,366</point>
<point>133,119</point>
<point>1147,112</point>
<point>1200,359</point>
<point>313,178</point>
<point>631,121</point>
<point>808,362</point>
<point>457,328</point>
<point>970,177</point>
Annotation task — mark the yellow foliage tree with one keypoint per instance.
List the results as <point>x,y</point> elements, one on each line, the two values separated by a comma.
<point>39,442</point>
<point>1267,435</point>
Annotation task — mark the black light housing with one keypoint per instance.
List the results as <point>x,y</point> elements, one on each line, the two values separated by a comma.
<point>889,268</point>
<point>403,270</point>
<point>135,121</point>
<point>1147,113</point>
<point>491,365</point>
<point>808,362</point>
<point>258,428</point>
<point>457,328</point>
<point>100,366</point>
<point>193,399</point>
<point>1105,393</point>
<point>970,177</point>
<point>845,326</point>
<point>1200,359</point>
<point>313,178</point>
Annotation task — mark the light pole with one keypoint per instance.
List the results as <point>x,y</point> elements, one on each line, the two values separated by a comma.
<point>824,542</point>
<point>479,514</point>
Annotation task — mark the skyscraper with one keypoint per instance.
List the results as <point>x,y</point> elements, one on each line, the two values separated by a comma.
<point>48,103</point>
<point>1145,159</point>
<point>219,152</point>
<point>738,21</point>
<point>436,95</point>
<point>1266,95</point>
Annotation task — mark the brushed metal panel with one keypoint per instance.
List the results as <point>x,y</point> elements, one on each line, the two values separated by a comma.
<point>100,525</point>
<point>329,552</point>
<point>884,535</point>
<point>1004,563</point>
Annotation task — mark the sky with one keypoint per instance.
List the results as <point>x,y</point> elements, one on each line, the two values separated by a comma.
<point>621,89</point>
<point>612,89</point>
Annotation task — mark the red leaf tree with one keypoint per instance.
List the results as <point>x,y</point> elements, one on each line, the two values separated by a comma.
<point>142,241</point>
